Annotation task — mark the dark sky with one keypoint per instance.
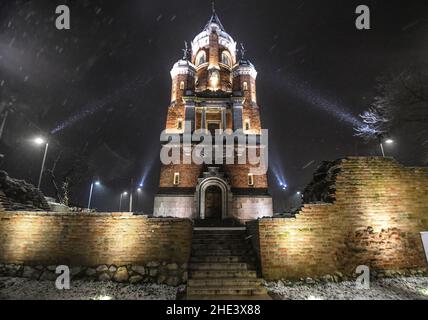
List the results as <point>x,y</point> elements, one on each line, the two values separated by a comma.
<point>103,87</point>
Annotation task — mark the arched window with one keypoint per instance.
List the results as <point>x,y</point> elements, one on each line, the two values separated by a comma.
<point>201,58</point>
<point>247,125</point>
<point>245,86</point>
<point>182,85</point>
<point>176,178</point>
<point>251,179</point>
<point>225,58</point>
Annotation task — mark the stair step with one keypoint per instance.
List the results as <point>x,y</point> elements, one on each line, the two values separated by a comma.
<point>210,274</point>
<point>236,290</point>
<point>219,266</point>
<point>218,239</point>
<point>198,253</point>
<point>228,246</point>
<point>219,233</point>
<point>220,282</point>
<point>208,259</point>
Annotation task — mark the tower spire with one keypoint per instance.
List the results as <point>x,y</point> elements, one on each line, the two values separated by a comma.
<point>214,18</point>
<point>185,51</point>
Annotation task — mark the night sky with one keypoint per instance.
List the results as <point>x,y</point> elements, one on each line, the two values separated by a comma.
<point>100,91</point>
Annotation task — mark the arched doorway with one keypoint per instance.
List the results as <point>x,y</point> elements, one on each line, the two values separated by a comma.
<point>213,203</point>
<point>212,197</point>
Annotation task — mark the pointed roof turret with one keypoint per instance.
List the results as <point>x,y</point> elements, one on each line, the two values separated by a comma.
<point>214,19</point>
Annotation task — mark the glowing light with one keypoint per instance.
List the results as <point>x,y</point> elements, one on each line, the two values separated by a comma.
<point>97,183</point>
<point>39,141</point>
<point>125,193</point>
<point>423,291</point>
<point>299,193</point>
<point>102,297</point>
<point>303,91</point>
<point>100,104</point>
<point>389,141</point>
<point>139,189</point>
<point>214,80</point>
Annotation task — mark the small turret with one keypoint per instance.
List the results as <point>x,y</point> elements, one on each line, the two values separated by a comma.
<point>244,78</point>
<point>183,77</point>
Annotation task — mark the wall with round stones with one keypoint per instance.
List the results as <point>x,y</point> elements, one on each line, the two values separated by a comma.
<point>117,246</point>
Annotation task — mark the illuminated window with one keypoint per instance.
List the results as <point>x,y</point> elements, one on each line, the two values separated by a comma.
<point>180,124</point>
<point>225,58</point>
<point>182,85</point>
<point>247,125</point>
<point>245,86</point>
<point>176,178</point>
<point>201,58</point>
<point>251,179</point>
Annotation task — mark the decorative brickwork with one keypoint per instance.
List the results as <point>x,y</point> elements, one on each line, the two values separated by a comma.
<point>377,212</point>
<point>213,88</point>
<point>92,239</point>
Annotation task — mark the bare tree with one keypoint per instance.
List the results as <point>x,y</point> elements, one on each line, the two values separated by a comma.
<point>401,101</point>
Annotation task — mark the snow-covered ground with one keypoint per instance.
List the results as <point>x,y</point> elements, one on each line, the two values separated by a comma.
<point>382,289</point>
<point>25,289</point>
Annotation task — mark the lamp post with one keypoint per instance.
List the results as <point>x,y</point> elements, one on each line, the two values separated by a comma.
<point>386,141</point>
<point>40,141</point>
<point>120,201</point>
<point>97,183</point>
<point>3,123</point>
<point>139,190</point>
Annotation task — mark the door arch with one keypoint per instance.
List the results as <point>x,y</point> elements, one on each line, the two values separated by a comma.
<point>201,195</point>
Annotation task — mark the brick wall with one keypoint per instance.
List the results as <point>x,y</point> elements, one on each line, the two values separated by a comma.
<point>92,239</point>
<point>189,175</point>
<point>377,213</point>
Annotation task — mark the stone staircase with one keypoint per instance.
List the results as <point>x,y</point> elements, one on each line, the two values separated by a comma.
<point>223,266</point>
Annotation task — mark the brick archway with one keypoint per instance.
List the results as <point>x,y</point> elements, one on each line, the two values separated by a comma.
<point>201,192</point>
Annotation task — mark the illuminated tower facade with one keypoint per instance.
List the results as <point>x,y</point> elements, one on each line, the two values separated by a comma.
<point>213,89</point>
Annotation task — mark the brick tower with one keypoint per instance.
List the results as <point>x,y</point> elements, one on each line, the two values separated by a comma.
<point>213,90</point>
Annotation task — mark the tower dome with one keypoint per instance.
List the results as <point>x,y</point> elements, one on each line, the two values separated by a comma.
<point>202,40</point>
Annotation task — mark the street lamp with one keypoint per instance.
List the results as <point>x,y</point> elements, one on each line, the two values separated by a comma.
<point>40,141</point>
<point>96,183</point>
<point>387,141</point>
<point>120,201</point>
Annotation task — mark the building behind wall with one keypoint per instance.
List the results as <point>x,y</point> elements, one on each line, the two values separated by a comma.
<point>213,88</point>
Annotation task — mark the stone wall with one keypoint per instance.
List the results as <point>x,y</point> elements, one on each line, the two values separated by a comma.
<point>378,209</point>
<point>92,239</point>
<point>247,208</point>
<point>179,206</point>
